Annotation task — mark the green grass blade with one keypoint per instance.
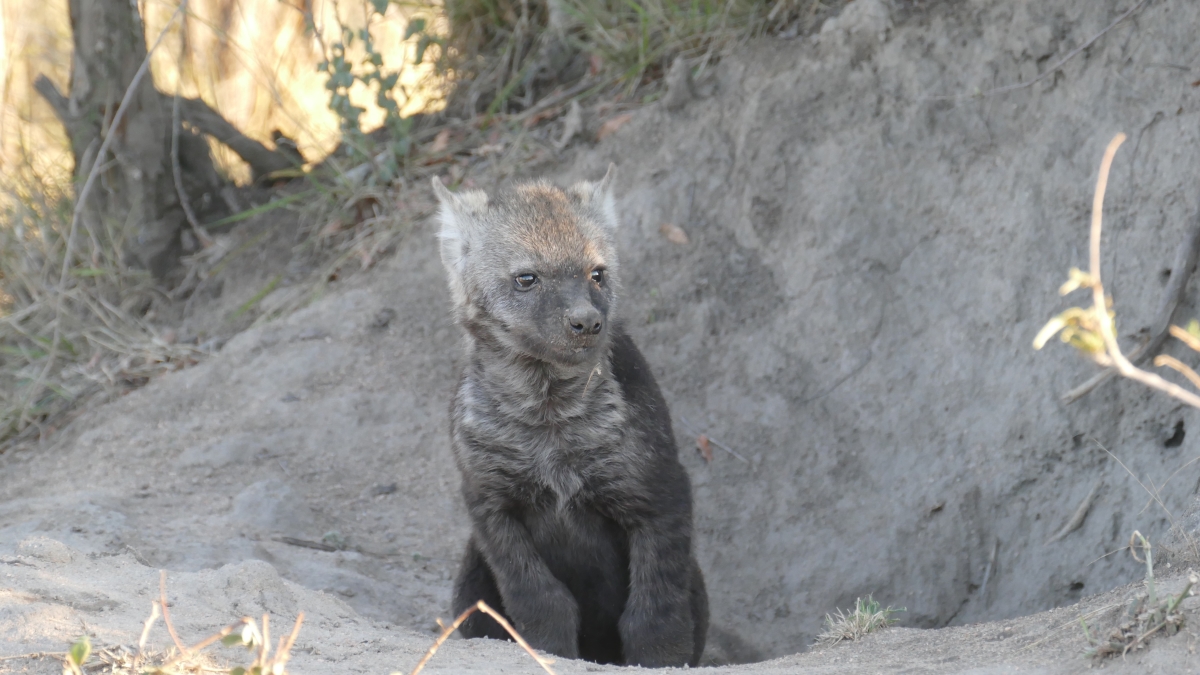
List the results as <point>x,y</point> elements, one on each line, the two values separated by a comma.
<point>249,304</point>
<point>269,206</point>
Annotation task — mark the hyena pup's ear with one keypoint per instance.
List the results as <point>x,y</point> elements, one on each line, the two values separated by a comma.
<point>599,196</point>
<point>459,216</point>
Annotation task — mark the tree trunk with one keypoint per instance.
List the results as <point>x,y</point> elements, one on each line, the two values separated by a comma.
<point>137,199</point>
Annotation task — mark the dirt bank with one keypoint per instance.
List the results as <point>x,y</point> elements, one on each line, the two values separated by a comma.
<point>871,249</point>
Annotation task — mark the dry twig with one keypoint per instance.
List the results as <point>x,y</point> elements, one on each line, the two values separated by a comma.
<point>162,603</point>
<point>1092,330</point>
<point>177,172</point>
<point>482,606</point>
<point>1122,364</point>
<point>141,652</point>
<point>1186,338</point>
<point>1186,257</point>
<point>1179,367</point>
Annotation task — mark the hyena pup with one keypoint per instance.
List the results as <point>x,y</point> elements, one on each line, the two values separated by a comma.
<point>581,512</point>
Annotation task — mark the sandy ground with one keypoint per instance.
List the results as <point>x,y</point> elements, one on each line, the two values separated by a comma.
<point>51,592</point>
<point>866,265</point>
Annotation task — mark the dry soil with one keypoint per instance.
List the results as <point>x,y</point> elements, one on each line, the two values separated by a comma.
<point>874,236</point>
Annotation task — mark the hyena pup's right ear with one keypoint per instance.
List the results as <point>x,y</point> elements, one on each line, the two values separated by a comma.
<point>599,196</point>
<point>459,216</point>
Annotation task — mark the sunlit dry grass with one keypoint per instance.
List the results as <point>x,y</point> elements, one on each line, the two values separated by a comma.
<point>253,60</point>
<point>103,339</point>
<point>35,38</point>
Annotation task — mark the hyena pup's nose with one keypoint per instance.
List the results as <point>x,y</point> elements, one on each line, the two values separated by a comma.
<point>585,320</point>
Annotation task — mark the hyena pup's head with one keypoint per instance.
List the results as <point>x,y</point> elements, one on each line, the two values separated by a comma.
<point>534,269</point>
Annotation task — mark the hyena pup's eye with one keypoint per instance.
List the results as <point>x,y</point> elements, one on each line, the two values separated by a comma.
<point>525,281</point>
<point>598,276</point>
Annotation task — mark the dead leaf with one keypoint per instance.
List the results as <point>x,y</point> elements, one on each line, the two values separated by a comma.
<point>440,142</point>
<point>673,233</point>
<point>595,65</point>
<point>705,449</point>
<point>547,114</point>
<point>331,229</point>
<point>612,125</point>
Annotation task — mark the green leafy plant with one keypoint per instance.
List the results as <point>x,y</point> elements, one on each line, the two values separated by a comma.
<point>77,655</point>
<point>344,73</point>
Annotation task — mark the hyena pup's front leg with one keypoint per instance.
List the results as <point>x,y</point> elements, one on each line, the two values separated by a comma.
<point>658,625</point>
<point>537,604</point>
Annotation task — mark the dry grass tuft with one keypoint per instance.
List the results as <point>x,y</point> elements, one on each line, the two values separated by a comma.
<point>866,617</point>
<point>106,338</point>
<point>184,660</point>
<point>1146,614</point>
<point>504,52</point>
<point>266,658</point>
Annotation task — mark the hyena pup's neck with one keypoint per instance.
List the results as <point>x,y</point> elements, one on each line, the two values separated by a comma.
<point>538,392</point>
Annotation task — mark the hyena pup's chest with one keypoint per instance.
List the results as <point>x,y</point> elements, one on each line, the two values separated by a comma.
<point>559,465</point>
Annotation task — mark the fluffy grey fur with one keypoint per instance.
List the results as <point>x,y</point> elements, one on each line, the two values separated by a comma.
<point>581,511</point>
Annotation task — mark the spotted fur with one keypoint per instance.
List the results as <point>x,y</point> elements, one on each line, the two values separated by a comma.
<point>581,512</point>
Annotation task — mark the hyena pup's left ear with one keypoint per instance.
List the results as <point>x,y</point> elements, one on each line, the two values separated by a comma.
<point>459,216</point>
<point>599,195</point>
